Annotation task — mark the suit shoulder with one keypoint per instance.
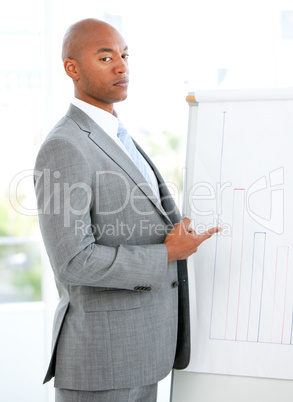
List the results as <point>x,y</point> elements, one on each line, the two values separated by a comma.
<point>68,130</point>
<point>65,140</point>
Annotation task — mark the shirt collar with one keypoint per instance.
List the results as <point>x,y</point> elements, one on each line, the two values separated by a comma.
<point>107,121</point>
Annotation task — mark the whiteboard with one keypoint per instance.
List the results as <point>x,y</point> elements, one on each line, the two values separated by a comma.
<point>239,176</point>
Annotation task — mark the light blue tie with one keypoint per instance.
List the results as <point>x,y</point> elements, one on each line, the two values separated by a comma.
<point>135,155</point>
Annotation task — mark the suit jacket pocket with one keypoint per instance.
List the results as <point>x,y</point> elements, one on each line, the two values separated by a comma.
<point>110,300</point>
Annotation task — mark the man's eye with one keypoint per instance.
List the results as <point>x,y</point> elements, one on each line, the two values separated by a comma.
<point>125,56</point>
<point>106,58</point>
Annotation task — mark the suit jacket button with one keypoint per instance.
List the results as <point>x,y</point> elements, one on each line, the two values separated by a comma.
<point>175,284</point>
<point>143,288</point>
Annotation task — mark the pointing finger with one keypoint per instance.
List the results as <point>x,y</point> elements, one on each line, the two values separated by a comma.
<point>206,235</point>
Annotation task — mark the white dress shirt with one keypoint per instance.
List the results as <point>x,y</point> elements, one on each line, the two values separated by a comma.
<point>109,123</point>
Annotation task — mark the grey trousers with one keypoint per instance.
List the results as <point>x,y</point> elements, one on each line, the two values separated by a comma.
<point>147,393</point>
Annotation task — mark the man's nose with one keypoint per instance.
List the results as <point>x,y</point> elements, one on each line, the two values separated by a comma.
<point>121,67</point>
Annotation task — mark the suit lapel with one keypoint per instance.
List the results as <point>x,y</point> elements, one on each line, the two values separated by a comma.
<point>109,147</point>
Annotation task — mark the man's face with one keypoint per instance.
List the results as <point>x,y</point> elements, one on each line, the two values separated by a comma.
<point>103,69</point>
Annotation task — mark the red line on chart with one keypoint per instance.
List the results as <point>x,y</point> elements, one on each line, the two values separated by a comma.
<point>230,262</point>
<point>291,329</point>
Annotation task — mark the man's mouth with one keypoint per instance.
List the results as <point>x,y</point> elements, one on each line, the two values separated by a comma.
<point>122,83</point>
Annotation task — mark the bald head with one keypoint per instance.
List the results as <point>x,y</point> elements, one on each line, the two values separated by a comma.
<point>78,35</point>
<point>95,57</point>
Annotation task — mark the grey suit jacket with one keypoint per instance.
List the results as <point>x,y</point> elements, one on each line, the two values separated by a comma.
<point>123,316</point>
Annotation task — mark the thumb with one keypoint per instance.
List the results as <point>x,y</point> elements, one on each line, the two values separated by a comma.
<point>185,222</point>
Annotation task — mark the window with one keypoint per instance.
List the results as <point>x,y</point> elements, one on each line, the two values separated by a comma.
<point>21,122</point>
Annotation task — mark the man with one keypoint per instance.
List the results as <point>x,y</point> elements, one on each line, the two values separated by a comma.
<point>113,236</point>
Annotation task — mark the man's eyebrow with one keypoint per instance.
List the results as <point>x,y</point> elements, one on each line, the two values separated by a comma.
<point>104,49</point>
<point>109,50</point>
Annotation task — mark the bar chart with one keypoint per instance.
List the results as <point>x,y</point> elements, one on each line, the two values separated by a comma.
<point>251,298</point>
<point>246,316</point>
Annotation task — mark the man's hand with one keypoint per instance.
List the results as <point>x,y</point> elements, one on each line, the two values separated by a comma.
<point>182,241</point>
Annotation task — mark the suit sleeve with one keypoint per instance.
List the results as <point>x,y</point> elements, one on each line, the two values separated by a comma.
<point>63,185</point>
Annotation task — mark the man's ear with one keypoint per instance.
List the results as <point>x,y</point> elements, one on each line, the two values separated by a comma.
<point>71,68</point>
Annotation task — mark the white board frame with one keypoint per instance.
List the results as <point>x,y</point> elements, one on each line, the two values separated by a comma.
<point>190,386</point>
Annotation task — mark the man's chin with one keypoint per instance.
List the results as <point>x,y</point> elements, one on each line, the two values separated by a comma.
<point>120,98</point>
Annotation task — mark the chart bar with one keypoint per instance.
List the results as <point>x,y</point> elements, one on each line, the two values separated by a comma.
<point>256,290</point>
<point>280,294</point>
<point>235,264</point>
